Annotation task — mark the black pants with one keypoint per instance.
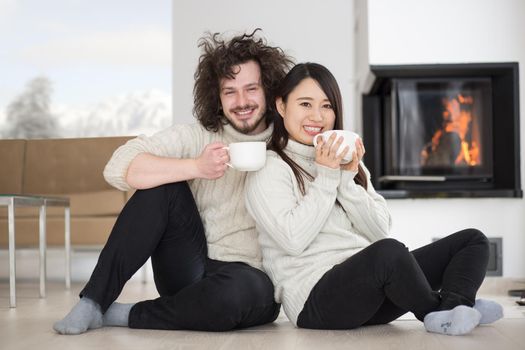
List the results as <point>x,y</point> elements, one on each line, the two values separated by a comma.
<point>196,292</point>
<point>385,280</point>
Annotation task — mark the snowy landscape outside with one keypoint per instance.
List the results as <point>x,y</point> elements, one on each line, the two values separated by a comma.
<point>85,69</point>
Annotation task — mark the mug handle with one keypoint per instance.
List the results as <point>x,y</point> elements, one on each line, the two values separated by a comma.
<point>315,139</point>
<point>228,149</point>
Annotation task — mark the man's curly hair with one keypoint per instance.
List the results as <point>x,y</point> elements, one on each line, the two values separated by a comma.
<point>218,61</point>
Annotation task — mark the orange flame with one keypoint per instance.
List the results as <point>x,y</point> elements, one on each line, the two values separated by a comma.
<point>457,120</point>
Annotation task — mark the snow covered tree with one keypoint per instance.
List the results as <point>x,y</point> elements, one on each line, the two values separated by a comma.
<point>29,114</point>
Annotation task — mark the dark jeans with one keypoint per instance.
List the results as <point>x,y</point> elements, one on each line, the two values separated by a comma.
<point>196,292</point>
<point>385,280</point>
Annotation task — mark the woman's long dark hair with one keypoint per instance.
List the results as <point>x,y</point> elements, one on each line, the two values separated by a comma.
<point>328,84</point>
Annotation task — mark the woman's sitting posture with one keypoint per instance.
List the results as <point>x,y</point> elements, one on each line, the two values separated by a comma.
<point>322,228</point>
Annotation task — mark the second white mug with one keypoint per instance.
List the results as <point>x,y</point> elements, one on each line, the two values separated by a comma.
<point>350,138</point>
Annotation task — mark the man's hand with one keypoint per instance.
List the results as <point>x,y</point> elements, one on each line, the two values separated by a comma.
<point>211,164</point>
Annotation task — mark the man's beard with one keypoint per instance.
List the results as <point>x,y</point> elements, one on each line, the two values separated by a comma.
<point>244,126</point>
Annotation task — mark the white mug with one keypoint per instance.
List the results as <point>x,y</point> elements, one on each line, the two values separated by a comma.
<point>247,156</point>
<point>350,138</point>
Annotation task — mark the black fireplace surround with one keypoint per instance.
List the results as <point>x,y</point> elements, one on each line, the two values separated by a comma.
<point>443,130</point>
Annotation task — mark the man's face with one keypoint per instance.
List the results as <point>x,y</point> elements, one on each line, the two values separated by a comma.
<point>243,100</point>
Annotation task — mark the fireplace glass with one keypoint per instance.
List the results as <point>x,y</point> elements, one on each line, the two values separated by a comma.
<point>440,127</point>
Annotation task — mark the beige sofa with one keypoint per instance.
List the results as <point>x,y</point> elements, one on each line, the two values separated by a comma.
<point>61,167</point>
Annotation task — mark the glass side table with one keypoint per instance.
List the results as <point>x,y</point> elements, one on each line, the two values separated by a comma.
<point>11,201</point>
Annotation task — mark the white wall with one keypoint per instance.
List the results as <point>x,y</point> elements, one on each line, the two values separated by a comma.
<point>317,31</point>
<point>387,32</point>
<point>452,31</point>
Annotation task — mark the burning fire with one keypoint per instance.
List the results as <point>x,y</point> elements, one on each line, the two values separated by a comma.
<point>457,120</point>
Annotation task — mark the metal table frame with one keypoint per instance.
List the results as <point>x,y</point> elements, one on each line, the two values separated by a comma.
<point>16,200</point>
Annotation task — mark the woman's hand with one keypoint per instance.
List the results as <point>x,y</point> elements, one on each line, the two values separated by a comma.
<point>326,152</point>
<point>357,155</point>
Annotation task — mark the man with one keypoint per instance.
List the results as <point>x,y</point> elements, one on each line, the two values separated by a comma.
<point>188,212</point>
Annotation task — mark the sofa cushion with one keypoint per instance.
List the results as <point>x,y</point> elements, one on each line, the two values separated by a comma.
<point>11,165</point>
<point>68,165</point>
<point>92,231</point>
<point>94,203</point>
<point>101,203</point>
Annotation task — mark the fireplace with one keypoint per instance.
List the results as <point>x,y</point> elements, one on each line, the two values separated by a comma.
<point>447,130</point>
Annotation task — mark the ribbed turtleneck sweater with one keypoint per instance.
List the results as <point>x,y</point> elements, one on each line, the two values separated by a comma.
<point>302,237</point>
<point>230,230</point>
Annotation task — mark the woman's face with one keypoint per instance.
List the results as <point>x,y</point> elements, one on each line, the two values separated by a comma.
<point>307,112</point>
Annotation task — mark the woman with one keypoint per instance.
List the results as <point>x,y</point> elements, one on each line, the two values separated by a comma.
<point>323,229</point>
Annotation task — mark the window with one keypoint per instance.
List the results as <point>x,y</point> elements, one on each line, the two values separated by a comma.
<point>85,68</point>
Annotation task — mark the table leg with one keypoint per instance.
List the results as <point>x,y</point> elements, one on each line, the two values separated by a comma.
<point>67,240</point>
<point>43,246</point>
<point>12,261</point>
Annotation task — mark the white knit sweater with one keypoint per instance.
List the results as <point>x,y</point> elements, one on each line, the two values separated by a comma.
<point>230,230</point>
<point>302,237</point>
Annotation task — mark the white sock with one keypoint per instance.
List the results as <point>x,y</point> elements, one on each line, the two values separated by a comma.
<point>117,315</point>
<point>490,310</point>
<point>84,315</point>
<point>460,320</point>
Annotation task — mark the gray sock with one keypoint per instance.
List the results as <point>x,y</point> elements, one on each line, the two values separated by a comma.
<point>490,310</point>
<point>117,315</point>
<point>460,320</point>
<point>84,315</point>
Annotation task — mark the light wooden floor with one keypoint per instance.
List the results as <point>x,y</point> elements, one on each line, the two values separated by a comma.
<point>29,327</point>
